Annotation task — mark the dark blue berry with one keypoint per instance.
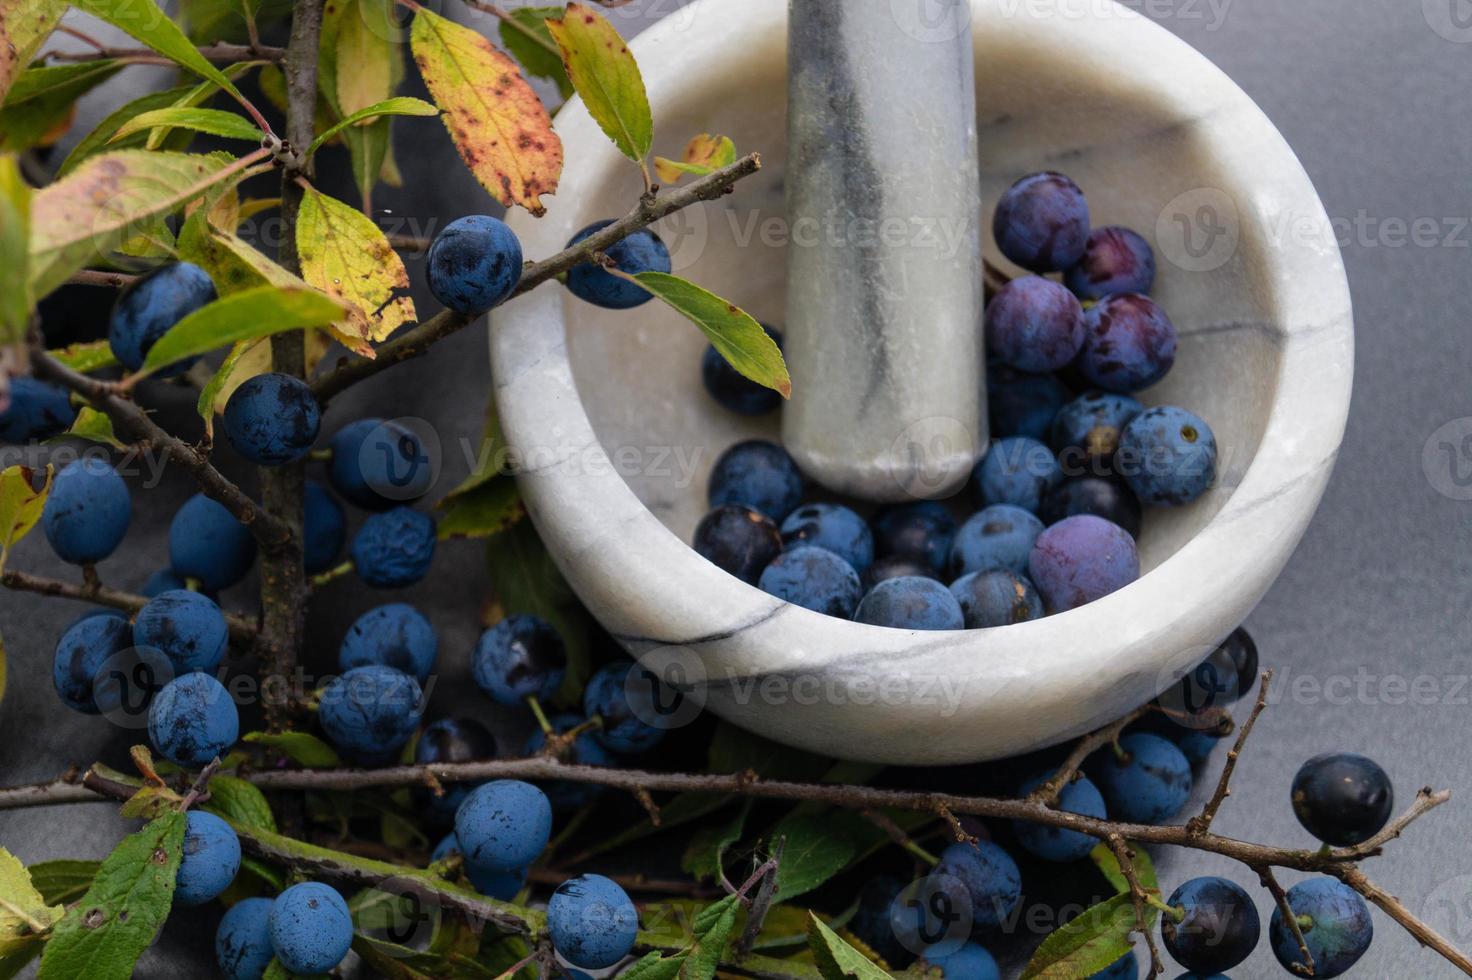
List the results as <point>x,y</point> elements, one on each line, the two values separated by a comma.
<point>911,604</point>
<point>1021,404</point>
<point>192,720</point>
<point>1056,844</point>
<point>834,527</point>
<point>565,794</point>
<point>211,858</point>
<point>1219,928</point>
<point>732,390</point>
<point>377,464</point>
<point>1115,260</point>
<point>394,549</point>
<point>395,635</point>
<point>757,474</point>
<point>503,825</point>
<point>643,251</point>
<point>1086,431</point>
<point>451,740</point>
<point>520,657</point>
<point>243,942</point>
<point>1001,536</point>
<point>1238,653</point>
<point>1168,456</point>
<point>311,928</point>
<point>1129,344</point>
<point>998,597</point>
<point>922,530</point>
<point>1081,559</point>
<point>38,410</point>
<point>990,877</point>
<point>1336,926</point>
<point>163,580</point>
<point>80,653</point>
<point>1103,497</point>
<point>970,962</point>
<point>474,264</point>
<point>207,543</point>
<point>1019,471</point>
<point>894,566</point>
<point>1042,222</point>
<point>871,919</point>
<point>324,529</point>
<point>184,626</point>
<point>627,698</point>
<point>814,578</point>
<point>738,540</point>
<point>592,922</point>
<point>1342,798</point>
<point>370,712</point>
<point>500,885</point>
<point>1148,783</point>
<point>87,512</point>
<point>148,308</point>
<point>272,419</point>
<point>1034,324</point>
<point>1196,745</point>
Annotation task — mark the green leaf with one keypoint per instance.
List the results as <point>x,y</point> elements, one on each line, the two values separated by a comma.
<point>707,848</point>
<point>365,45</point>
<point>24,914</point>
<point>103,935</point>
<point>44,80</point>
<point>738,337</point>
<point>1096,939</point>
<point>245,315</point>
<point>93,426</point>
<point>20,505</point>
<point>605,74</point>
<point>836,959</point>
<point>1108,866</point>
<point>482,512</point>
<point>300,747</point>
<point>24,25</point>
<point>82,216</point>
<point>43,100</point>
<point>63,882</point>
<point>213,394</point>
<point>526,36</point>
<point>812,855</point>
<point>16,300</point>
<point>102,133</point>
<point>713,928</point>
<point>402,105</point>
<point>85,357</point>
<point>214,122</point>
<point>655,966</point>
<point>241,802</point>
<point>734,749</point>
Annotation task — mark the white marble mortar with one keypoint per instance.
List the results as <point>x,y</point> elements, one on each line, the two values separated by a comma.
<point>616,435</point>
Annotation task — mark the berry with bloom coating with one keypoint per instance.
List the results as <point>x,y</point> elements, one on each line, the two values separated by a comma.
<point>592,922</point>
<point>834,527</point>
<point>757,474</point>
<point>1338,929</point>
<point>1001,536</point>
<point>311,928</point>
<point>1129,343</point>
<point>1055,843</point>
<point>1219,929</point>
<point>474,264</point>
<point>80,653</point>
<point>192,720</point>
<point>272,419</point>
<point>451,740</point>
<point>1042,222</point>
<point>989,875</point>
<point>1034,324</point>
<point>377,464</point>
<point>814,578</point>
<point>503,825</point>
<point>1167,456</point>
<point>520,657</point>
<point>184,626</point>
<point>922,530</point>
<point>395,635</point>
<point>911,604</point>
<point>394,549</point>
<point>1081,559</point>
<point>643,251</point>
<point>211,857</point>
<point>1115,260</point>
<point>148,307</point>
<point>324,529</point>
<point>243,948</point>
<point>997,597</point>
<point>628,699</point>
<point>38,410</point>
<point>894,566</point>
<point>1087,430</point>
<point>1101,496</point>
<point>207,543</point>
<point>970,962</point>
<point>87,512</point>
<point>738,540</point>
<point>370,712</point>
<point>1342,798</point>
<point>1149,784</point>
<point>1019,471</point>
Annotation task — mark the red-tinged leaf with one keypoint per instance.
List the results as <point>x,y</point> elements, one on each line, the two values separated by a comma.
<point>605,74</point>
<point>498,124</point>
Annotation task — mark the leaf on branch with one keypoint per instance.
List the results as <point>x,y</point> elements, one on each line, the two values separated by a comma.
<point>496,121</point>
<point>482,512</point>
<point>1096,939</point>
<point>20,505</point>
<point>1108,864</point>
<point>24,25</point>
<point>402,105</point>
<point>246,359</point>
<point>24,914</point>
<point>526,36</point>
<point>63,882</point>
<point>300,747</point>
<point>16,300</point>
<point>85,357</point>
<point>214,122</point>
<point>103,935</point>
<point>245,315</point>
<point>240,802</point>
<point>82,216</point>
<point>93,426</point>
<point>738,337</point>
<point>704,154</point>
<point>813,854</point>
<point>836,959</point>
<point>705,854</point>
<point>369,146</point>
<point>101,134</point>
<point>347,256</point>
<point>43,100</point>
<point>605,74</point>
<point>150,801</point>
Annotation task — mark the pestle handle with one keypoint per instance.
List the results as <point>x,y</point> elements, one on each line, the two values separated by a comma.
<point>883,332</point>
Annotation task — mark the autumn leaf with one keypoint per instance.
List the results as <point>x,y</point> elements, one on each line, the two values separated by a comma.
<point>605,74</point>
<point>704,154</point>
<point>347,256</point>
<point>496,121</point>
<point>24,24</point>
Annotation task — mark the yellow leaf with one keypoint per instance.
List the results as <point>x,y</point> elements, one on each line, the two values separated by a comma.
<point>24,914</point>
<point>364,49</point>
<point>496,121</point>
<point>703,154</point>
<point>347,256</point>
<point>24,24</point>
<point>20,505</point>
<point>605,74</point>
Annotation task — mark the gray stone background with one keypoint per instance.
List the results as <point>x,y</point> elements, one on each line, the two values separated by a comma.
<point>1374,98</point>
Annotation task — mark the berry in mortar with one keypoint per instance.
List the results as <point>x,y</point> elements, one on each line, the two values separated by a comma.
<point>833,527</point>
<point>922,531</point>
<point>1115,260</point>
<point>997,597</point>
<point>311,928</point>
<point>1129,344</point>
<point>1086,431</point>
<point>243,948</point>
<point>732,390</point>
<point>1042,222</point>
<point>150,306</point>
<point>503,825</point>
<point>1167,456</point>
<point>1001,536</point>
<point>395,635</point>
<point>911,604</point>
<point>814,578</point>
<point>630,701</point>
<point>1055,843</point>
<point>87,512</point>
<point>1148,783</point>
<point>520,657</point>
<point>184,626</point>
<point>207,543</point>
<point>80,653</point>
<point>378,464</point>
<point>643,251</point>
<point>756,474</point>
<point>1336,927</point>
<point>1218,927</point>
<point>394,549</point>
<point>1021,404</point>
<point>1019,471</point>
<point>738,540</point>
<point>1081,559</point>
<point>324,529</point>
<point>1342,798</point>
<point>450,740</point>
<point>38,410</point>
<point>211,858</point>
<point>1034,324</point>
<point>272,419</point>
<point>592,922</point>
<point>193,720</point>
<point>474,264</point>
<point>370,712</point>
<point>894,566</point>
<point>1100,496</point>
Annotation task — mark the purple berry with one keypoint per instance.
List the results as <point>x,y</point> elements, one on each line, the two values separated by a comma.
<point>1042,222</point>
<point>1081,559</point>
<point>1116,260</point>
<point>1034,324</point>
<point>1129,343</point>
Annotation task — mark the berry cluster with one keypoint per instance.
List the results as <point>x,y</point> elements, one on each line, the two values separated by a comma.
<point>1060,491</point>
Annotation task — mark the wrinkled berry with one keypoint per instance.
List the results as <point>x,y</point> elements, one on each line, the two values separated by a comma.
<point>1086,431</point>
<point>520,657</point>
<point>394,549</point>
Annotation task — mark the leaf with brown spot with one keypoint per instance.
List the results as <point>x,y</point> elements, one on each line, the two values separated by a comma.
<point>496,121</point>
<point>347,256</point>
<point>605,74</point>
<point>20,504</point>
<point>24,25</point>
<point>703,154</point>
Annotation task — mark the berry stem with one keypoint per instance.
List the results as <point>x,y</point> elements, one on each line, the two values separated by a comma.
<point>540,715</point>
<point>242,630</point>
<point>331,575</point>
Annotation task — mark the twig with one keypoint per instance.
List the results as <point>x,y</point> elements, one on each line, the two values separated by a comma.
<point>1393,907</point>
<point>228,53</point>
<point>1047,793</point>
<point>415,342</point>
<point>241,629</point>
<point>1426,799</point>
<point>894,832</point>
<point>98,277</point>
<point>761,902</point>
<point>632,883</point>
<point>1270,882</point>
<point>647,802</point>
<point>1202,823</point>
<point>958,832</point>
<point>1139,897</point>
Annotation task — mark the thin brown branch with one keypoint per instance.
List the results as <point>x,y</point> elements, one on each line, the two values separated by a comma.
<point>1426,799</point>
<point>1393,907</point>
<point>1047,793</point>
<point>225,53</point>
<point>1139,898</point>
<point>633,883</point>
<point>241,629</point>
<point>1305,967</point>
<point>415,342</point>
<point>66,788</point>
<point>1202,823</point>
<point>99,277</point>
